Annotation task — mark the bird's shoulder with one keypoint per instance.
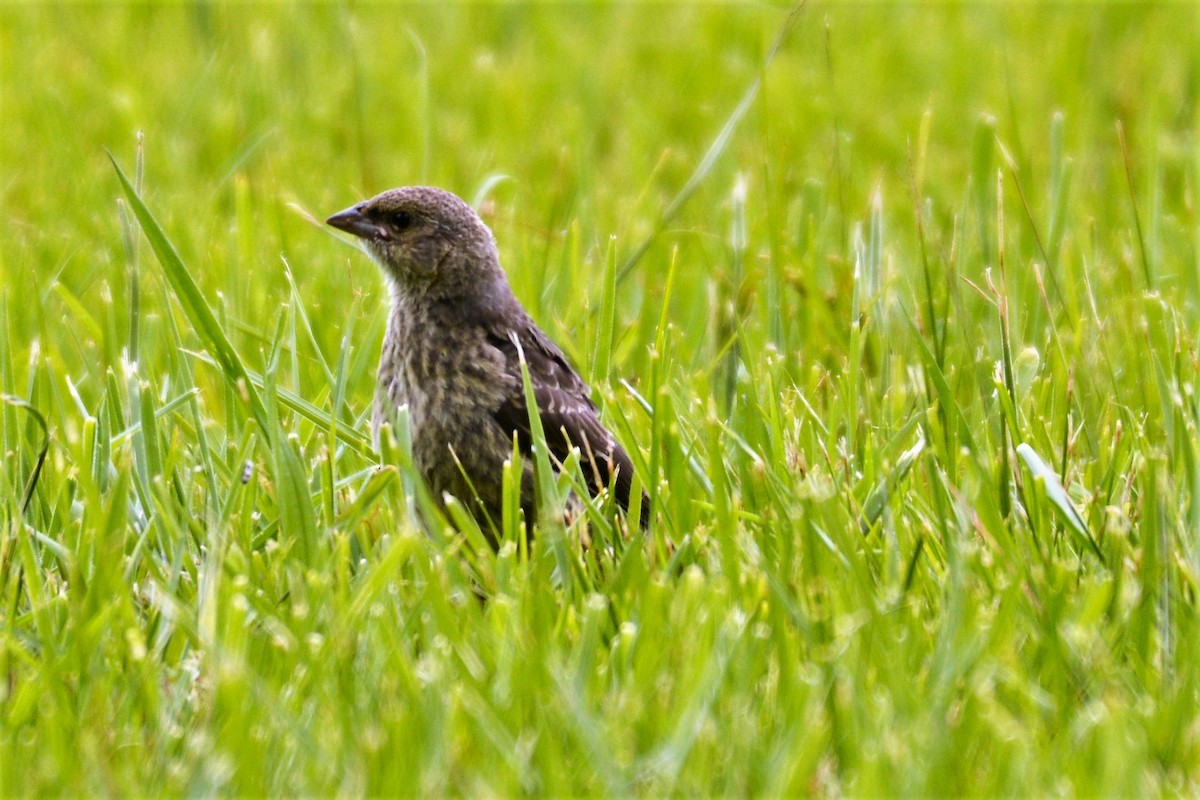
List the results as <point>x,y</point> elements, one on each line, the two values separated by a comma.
<point>550,371</point>
<point>563,398</point>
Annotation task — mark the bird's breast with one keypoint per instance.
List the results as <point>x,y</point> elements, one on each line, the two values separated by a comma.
<point>450,378</point>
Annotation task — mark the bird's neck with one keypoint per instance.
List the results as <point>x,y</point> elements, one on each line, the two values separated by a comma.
<point>476,303</point>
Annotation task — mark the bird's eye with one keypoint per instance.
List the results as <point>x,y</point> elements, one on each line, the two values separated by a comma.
<point>402,219</point>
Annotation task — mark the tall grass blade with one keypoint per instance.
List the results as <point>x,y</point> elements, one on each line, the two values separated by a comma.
<point>204,322</point>
<point>44,448</point>
<point>1042,473</point>
<point>715,150</point>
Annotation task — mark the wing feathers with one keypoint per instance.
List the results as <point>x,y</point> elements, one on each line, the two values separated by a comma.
<point>569,417</point>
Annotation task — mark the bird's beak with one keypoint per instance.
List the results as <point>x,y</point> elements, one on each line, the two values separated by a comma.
<point>352,220</point>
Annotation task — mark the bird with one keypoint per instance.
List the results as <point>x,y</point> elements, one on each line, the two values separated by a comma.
<point>455,339</point>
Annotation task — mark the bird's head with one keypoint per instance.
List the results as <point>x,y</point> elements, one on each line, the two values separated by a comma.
<point>427,240</point>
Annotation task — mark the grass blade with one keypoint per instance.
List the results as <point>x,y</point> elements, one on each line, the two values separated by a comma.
<point>204,322</point>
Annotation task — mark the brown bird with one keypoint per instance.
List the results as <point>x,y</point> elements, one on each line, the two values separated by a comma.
<point>452,354</point>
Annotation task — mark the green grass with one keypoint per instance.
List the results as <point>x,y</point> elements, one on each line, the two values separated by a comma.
<point>907,352</point>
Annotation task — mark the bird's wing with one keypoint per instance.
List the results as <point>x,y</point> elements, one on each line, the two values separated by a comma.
<point>569,417</point>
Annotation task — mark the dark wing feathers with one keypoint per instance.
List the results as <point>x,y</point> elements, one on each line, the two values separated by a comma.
<point>569,417</point>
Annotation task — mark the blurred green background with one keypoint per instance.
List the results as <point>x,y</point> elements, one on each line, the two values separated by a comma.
<point>916,246</point>
<point>596,115</point>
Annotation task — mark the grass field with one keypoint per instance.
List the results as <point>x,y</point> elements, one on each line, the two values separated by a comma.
<point>901,323</point>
